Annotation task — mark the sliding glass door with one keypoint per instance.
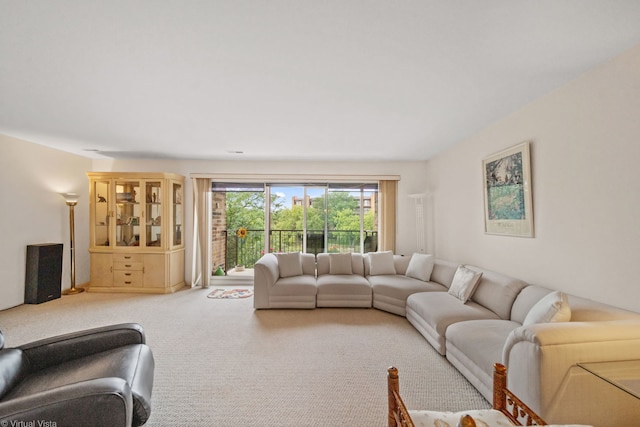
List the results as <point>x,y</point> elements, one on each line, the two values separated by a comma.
<point>297,218</point>
<point>252,219</point>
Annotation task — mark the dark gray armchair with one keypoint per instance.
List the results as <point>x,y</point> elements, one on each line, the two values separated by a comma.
<point>97,377</point>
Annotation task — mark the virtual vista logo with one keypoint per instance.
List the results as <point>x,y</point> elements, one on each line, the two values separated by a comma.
<point>30,423</point>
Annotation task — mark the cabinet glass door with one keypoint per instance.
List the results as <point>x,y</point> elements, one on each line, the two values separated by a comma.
<point>127,213</point>
<point>102,192</point>
<point>153,213</point>
<point>176,211</point>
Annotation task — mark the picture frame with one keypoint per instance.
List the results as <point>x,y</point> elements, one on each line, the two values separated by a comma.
<point>508,204</point>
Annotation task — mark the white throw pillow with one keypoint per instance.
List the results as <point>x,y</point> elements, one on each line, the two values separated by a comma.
<point>290,264</point>
<point>420,267</point>
<point>482,417</point>
<point>381,263</point>
<point>553,307</point>
<point>340,264</point>
<point>464,283</point>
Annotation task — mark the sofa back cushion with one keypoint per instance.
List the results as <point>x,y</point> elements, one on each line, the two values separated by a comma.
<point>443,272</point>
<point>308,264</point>
<point>332,264</point>
<point>13,367</point>
<point>525,301</point>
<point>496,291</point>
<point>401,263</point>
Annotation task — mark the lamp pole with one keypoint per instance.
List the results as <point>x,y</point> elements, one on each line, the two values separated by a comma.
<point>72,200</point>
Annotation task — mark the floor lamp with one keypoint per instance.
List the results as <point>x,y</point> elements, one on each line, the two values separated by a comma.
<point>72,200</point>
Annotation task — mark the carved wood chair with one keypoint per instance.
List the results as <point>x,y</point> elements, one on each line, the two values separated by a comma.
<point>504,401</point>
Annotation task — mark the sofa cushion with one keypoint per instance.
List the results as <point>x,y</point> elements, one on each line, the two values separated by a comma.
<point>474,346</point>
<point>553,307</point>
<point>420,267</point>
<point>323,264</point>
<point>390,292</point>
<point>443,272</point>
<point>290,264</point>
<point>381,263</point>
<point>340,264</point>
<point>303,285</point>
<point>343,290</point>
<point>343,284</point>
<point>526,299</point>
<point>496,291</point>
<point>431,313</point>
<point>464,283</point>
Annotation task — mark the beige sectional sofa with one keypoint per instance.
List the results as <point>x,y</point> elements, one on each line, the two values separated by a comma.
<point>538,333</point>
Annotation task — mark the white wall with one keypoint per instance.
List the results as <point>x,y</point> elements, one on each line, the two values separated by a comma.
<point>586,189</point>
<point>32,212</point>
<point>411,181</point>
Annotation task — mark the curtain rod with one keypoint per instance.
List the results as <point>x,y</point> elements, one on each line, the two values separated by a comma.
<point>310,178</point>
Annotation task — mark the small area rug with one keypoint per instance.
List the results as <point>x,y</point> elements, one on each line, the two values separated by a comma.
<point>221,293</point>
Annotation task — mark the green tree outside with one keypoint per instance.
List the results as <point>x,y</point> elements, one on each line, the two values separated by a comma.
<point>246,209</point>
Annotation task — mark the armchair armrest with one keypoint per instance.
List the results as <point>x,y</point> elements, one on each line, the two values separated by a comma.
<point>265,275</point>
<point>62,348</point>
<point>100,402</point>
<point>575,333</point>
<point>539,356</point>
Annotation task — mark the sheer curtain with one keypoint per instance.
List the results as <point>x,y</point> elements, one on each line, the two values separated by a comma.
<point>387,221</point>
<point>201,266</point>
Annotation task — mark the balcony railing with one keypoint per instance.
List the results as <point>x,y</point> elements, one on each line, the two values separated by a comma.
<point>247,251</point>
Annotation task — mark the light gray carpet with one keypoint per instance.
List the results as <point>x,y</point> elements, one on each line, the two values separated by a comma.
<point>220,363</point>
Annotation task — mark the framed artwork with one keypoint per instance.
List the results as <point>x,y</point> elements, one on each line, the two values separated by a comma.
<point>508,208</point>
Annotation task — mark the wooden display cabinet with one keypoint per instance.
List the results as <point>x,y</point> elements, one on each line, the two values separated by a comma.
<point>136,234</point>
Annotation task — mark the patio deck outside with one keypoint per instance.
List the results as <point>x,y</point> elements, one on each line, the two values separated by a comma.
<point>247,251</point>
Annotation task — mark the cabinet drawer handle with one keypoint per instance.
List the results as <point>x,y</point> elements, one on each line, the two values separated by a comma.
<point>127,283</point>
<point>127,257</point>
<point>127,274</point>
<point>127,265</point>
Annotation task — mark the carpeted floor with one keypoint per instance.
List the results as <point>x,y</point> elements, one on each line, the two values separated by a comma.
<point>221,363</point>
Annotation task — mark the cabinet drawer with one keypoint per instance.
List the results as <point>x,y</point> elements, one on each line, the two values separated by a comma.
<point>127,278</point>
<point>130,266</point>
<point>127,258</point>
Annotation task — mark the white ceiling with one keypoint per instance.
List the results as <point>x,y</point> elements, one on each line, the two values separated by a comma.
<point>289,79</point>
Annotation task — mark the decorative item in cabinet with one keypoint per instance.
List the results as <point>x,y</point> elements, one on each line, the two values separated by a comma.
<point>136,219</point>
<point>177,214</point>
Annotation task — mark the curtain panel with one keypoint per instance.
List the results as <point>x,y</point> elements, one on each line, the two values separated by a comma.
<point>201,265</point>
<point>387,191</point>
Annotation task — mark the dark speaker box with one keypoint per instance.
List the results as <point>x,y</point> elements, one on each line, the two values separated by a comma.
<point>43,279</point>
